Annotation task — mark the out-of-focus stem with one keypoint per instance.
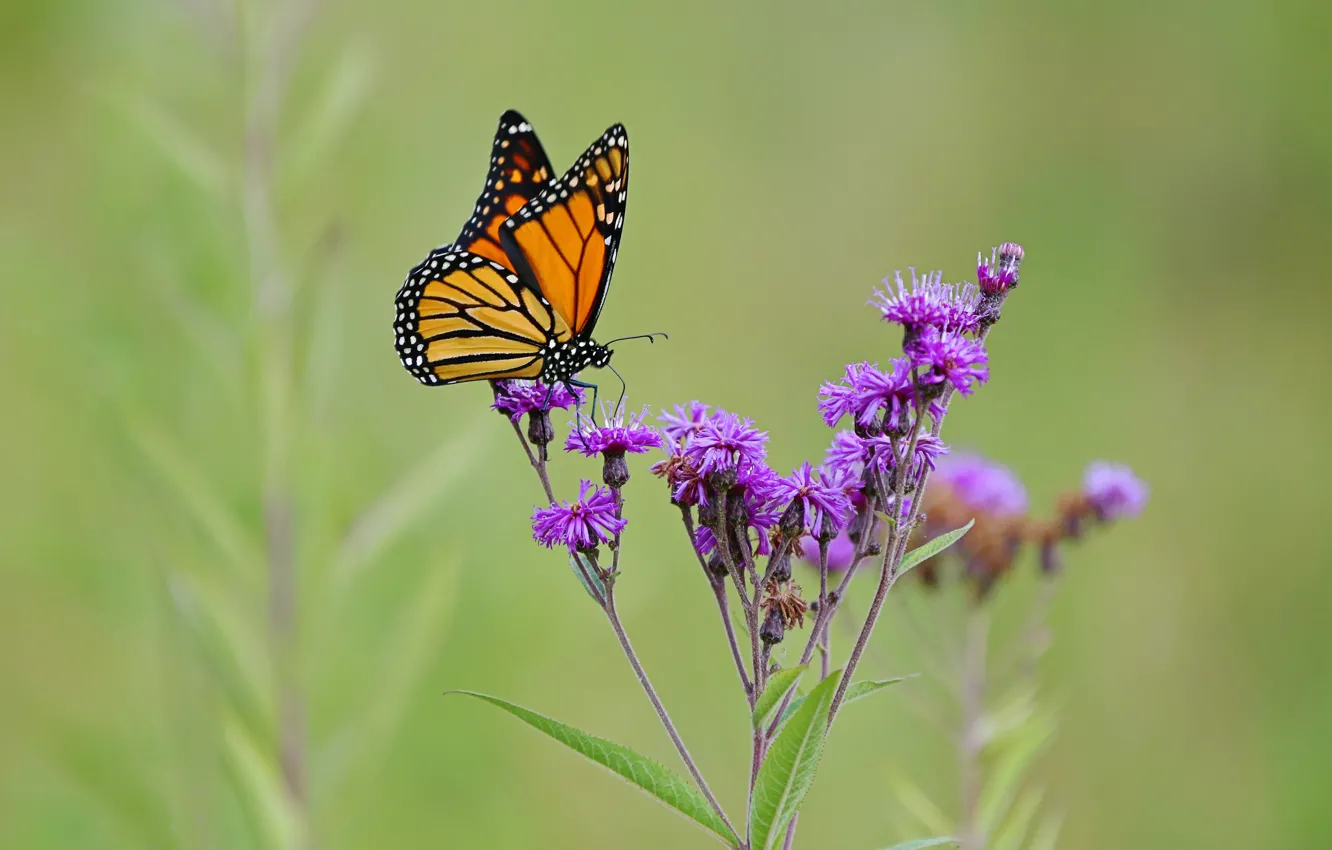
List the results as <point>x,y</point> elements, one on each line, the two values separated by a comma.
<point>718,586</point>
<point>613,616</point>
<point>971,740</point>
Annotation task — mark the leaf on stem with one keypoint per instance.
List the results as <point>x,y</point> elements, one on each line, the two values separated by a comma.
<point>857,690</point>
<point>788,771</point>
<point>1010,768</point>
<point>590,581</point>
<point>639,770</point>
<point>918,804</point>
<point>778,684</point>
<point>258,782</point>
<point>932,547</point>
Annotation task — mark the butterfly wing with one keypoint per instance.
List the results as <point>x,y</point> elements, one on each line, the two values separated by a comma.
<point>565,240</point>
<point>519,170</point>
<point>462,317</point>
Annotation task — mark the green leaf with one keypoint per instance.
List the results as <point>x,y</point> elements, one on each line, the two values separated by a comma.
<point>778,685</point>
<point>932,547</point>
<point>1013,834</point>
<point>788,771</point>
<point>637,769</point>
<point>1010,767</point>
<point>1047,834</point>
<point>591,576</point>
<point>858,690</point>
<point>918,804</point>
<point>922,843</point>
<point>258,782</point>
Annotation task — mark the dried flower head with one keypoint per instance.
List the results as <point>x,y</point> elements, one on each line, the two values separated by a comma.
<point>784,598</point>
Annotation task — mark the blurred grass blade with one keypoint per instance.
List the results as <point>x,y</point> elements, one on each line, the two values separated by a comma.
<point>406,654</point>
<point>932,547</point>
<point>624,762</point>
<point>857,691</point>
<point>1013,833</point>
<point>258,784</point>
<point>332,112</point>
<point>218,651</point>
<point>781,682</point>
<point>1047,834</point>
<point>1004,781</point>
<point>407,501</point>
<point>922,843</point>
<point>192,490</point>
<point>918,804</point>
<point>788,770</point>
<point>178,145</point>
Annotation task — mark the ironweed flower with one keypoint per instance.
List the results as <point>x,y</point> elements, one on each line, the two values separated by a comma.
<point>930,303</point>
<point>883,452</point>
<point>999,273</point>
<point>1113,491</point>
<point>620,435</point>
<point>837,400</point>
<point>845,458</point>
<point>949,356</point>
<point>825,508</point>
<point>983,484</point>
<point>581,524</point>
<point>687,421</point>
<point>726,444</point>
<point>515,398</point>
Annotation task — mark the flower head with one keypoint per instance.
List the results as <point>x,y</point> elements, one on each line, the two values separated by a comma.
<point>983,485</point>
<point>621,434</point>
<point>1114,491</point>
<point>581,524</point>
<point>884,399</point>
<point>725,442</point>
<point>687,421</point>
<point>514,398</point>
<point>839,399</point>
<point>929,303</point>
<point>999,273</point>
<point>949,356</point>
<point>845,458</point>
<point>825,507</point>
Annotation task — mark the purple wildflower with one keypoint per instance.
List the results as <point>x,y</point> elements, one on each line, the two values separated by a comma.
<point>949,356</point>
<point>515,398</point>
<point>581,524</point>
<point>1114,491</point>
<point>928,449</point>
<point>726,442</point>
<point>929,303</point>
<point>845,458</point>
<point>826,507</point>
<point>1000,273</point>
<point>685,422</point>
<point>619,435</point>
<point>762,517</point>
<point>839,399</point>
<point>891,393</point>
<point>983,484</point>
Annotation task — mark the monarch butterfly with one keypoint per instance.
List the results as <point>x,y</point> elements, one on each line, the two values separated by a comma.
<point>518,295</point>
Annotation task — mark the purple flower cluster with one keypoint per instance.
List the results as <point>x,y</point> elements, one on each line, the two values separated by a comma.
<point>515,398</point>
<point>949,356</point>
<point>983,484</point>
<point>1114,491</point>
<point>999,274</point>
<point>825,506</point>
<point>878,401</point>
<point>581,524</point>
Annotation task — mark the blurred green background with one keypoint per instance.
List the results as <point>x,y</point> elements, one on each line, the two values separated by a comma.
<point>1167,165</point>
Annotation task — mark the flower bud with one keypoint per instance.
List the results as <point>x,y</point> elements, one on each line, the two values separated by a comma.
<point>772,631</point>
<point>615,470</point>
<point>779,565</point>
<point>539,429</point>
<point>793,519</point>
<point>709,514</point>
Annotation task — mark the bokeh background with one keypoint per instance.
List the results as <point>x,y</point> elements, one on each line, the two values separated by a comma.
<point>1167,165</point>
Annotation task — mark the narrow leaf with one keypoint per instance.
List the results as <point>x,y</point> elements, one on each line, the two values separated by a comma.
<point>1047,834</point>
<point>922,843</point>
<point>637,769</point>
<point>781,682</point>
<point>258,783</point>
<point>1013,834</point>
<point>918,804</point>
<point>932,547</point>
<point>588,580</point>
<point>788,771</point>
<point>1010,768</point>
<point>858,690</point>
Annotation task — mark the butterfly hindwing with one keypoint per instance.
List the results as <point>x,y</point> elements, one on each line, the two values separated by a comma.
<point>565,240</point>
<point>519,170</point>
<point>463,317</point>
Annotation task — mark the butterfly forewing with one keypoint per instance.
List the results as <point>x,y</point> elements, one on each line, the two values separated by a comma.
<point>565,240</point>
<point>519,170</point>
<point>463,317</point>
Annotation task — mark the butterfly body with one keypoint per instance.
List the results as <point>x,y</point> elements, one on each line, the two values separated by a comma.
<point>518,294</point>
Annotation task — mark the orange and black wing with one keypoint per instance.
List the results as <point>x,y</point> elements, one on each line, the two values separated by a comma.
<point>564,241</point>
<point>462,317</point>
<point>519,169</point>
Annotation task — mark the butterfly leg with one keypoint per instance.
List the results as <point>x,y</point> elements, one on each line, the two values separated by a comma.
<point>571,383</point>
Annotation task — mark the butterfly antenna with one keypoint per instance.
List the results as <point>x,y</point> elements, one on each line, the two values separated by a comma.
<point>648,337</point>
<point>624,388</point>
